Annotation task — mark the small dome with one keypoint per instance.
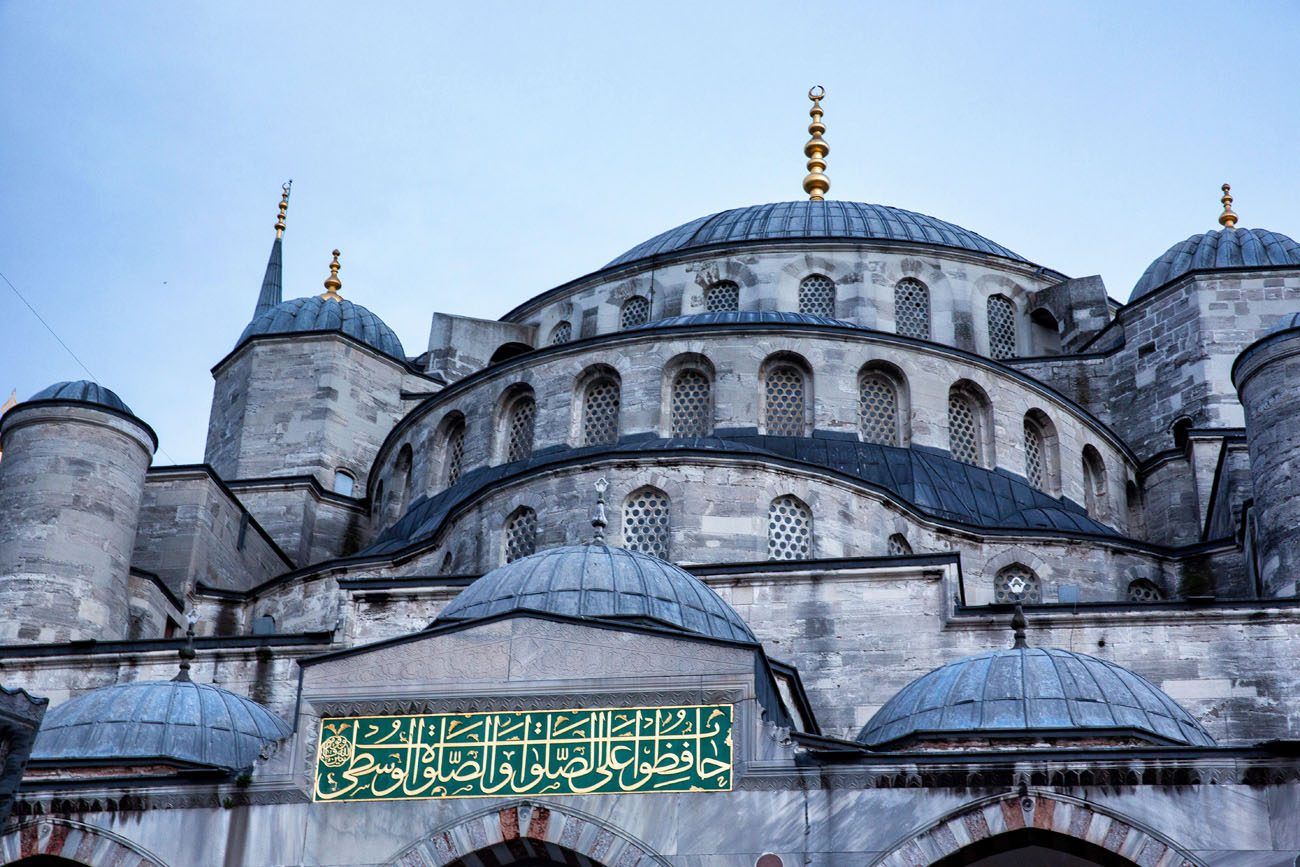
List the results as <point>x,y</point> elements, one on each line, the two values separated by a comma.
<point>746,317</point>
<point>601,582</point>
<point>314,313</point>
<point>82,391</point>
<point>813,221</point>
<point>1222,248</point>
<point>1027,691</point>
<point>170,719</point>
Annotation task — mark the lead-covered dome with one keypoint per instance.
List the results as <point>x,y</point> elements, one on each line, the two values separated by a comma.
<point>813,221</point>
<point>1222,248</point>
<point>315,313</point>
<point>1031,691</point>
<point>83,391</point>
<point>152,720</point>
<point>600,582</point>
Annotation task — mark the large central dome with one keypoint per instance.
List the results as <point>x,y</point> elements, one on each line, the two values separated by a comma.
<point>813,221</point>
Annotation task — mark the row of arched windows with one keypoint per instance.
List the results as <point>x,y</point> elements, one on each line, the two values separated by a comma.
<point>817,296</point>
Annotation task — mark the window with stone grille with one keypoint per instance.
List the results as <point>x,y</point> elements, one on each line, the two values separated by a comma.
<point>878,409</point>
<point>692,404</point>
<point>454,452</point>
<point>520,534</point>
<point>912,309</point>
<point>636,311</point>
<point>783,394</point>
<point>898,546</point>
<point>600,412</point>
<point>562,332</point>
<point>1094,483</point>
<point>1002,327</point>
<point>723,295</point>
<point>1017,583</point>
<point>1035,453</point>
<point>519,428</point>
<point>817,295</point>
<point>1142,590</point>
<point>789,529</point>
<point>645,522</point>
<point>963,428</point>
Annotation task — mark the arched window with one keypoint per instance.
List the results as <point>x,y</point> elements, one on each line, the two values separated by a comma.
<point>448,564</point>
<point>878,409</point>
<point>967,424</point>
<point>912,309</point>
<point>1017,583</point>
<point>344,482</point>
<point>898,546</point>
<point>453,450</point>
<point>636,311</point>
<point>692,404</point>
<point>1034,449</point>
<point>789,529</point>
<point>520,534</point>
<point>817,295</point>
<point>1042,453</point>
<point>1002,327</point>
<point>401,490</point>
<point>562,332</point>
<point>1094,484</point>
<point>723,295</point>
<point>785,394</point>
<point>1142,590</point>
<point>520,423</point>
<point>600,403</point>
<point>645,522</point>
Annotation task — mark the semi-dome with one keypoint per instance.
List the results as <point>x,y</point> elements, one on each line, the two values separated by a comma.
<point>1031,691</point>
<point>172,719</point>
<point>83,391</point>
<point>746,317</point>
<point>1222,248</point>
<point>813,221</point>
<point>315,313</point>
<point>600,582</point>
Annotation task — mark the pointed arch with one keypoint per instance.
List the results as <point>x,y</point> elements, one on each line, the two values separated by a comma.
<point>970,424</point>
<point>55,837</point>
<point>884,405</point>
<point>787,398</point>
<point>451,448</point>
<point>1042,452</point>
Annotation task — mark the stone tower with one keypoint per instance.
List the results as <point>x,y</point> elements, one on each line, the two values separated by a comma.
<point>71,481</point>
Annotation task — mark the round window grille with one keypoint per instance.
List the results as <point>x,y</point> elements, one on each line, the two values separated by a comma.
<point>600,413</point>
<point>645,522</point>
<point>1033,454</point>
<point>1017,583</point>
<point>912,309</point>
<point>784,401</point>
<point>898,546</point>
<point>1002,327</point>
<point>817,296</point>
<point>1144,591</point>
<point>789,529</point>
<point>521,534</point>
<point>723,295</point>
<point>636,311</point>
<point>523,415</point>
<point>561,333</point>
<point>878,410</point>
<point>455,453</point>
<point>963,430</point>
<point>692,405</point>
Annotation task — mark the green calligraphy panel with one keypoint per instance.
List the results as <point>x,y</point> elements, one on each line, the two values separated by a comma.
<point>541,752</point>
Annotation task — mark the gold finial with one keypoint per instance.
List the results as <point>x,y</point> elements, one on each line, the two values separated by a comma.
<point>1228,217</point>
<point>332,283</point>
<point>816,184</point>
<point>284,206</point>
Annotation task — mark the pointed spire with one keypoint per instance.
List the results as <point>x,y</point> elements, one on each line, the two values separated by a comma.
<point>332,283</point>
<point>186,652</point>
<point>1228,219</point>
<point>816,184</point>
<point>272,284</point>
<point>598,519</point>
<point>1018,624</point>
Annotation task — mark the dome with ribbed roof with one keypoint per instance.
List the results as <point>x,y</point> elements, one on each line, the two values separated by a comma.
<point>83,391</point>
<point>314,313</point>
<point>1222,248</point>
<point>152,720</point>
<point>1031,691</point>
<point>813,221</point>
<point>600,582</point>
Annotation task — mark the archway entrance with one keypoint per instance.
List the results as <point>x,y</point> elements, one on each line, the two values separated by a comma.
<point>1033,847</point>
<point>526,853</point>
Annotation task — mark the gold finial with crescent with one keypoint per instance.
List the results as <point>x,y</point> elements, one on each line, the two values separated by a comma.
<point>816,184</point>
<point>332,283</point>
<point>284,207</point>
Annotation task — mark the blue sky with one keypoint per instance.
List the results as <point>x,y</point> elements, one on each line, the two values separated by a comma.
<point>467,156</point>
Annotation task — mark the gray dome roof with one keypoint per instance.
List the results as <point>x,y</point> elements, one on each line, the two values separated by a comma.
<point>1286,323</point>
<point>1022,691</point>
<point>83,391</point>
<point>747,317</point>
<point>813,221</point>
<point>1222,248</point>
<point>600,582</point>
<point>192,722</point>
<point>319,314</point>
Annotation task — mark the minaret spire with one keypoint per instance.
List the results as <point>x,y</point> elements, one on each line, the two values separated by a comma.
<point>816,184</point>
<point>1228,219</point>
<point>272,283</point>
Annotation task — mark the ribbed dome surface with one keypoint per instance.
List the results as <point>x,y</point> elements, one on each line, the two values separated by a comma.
<point>193,722</point>
<point>813,221</point>
<point>318,314</point>
<point>601,582</point>
<point>1222,248</point>
<point>83,391</point>
<point>746,317</point>
<point>1020,691</point>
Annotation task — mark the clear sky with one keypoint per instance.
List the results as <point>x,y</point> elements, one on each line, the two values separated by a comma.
<point>467,156</point>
